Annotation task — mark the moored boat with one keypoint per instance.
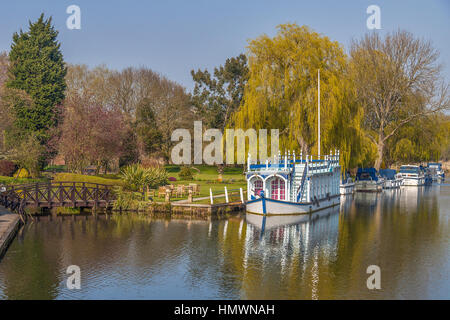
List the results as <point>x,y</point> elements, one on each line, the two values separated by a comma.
<point>392,180</point>
<point>293,186</point>
<point>412,175</point>
<point>367,180</point>
<point>427,174</point>
<point>436,170</point>
<point>347,186</point>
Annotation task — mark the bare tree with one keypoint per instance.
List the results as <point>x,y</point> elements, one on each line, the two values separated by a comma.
<point>123,91</point>
<point>398,79</point>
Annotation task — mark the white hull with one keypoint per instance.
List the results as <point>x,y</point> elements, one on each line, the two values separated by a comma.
<point>411,181</point>
<point>279,220</point>
<point>369,186</point>
<point>392,184</point>
<point>347,188</point>
<point>280,208</point>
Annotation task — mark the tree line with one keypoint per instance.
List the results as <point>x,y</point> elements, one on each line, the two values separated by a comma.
<point>383,102</point>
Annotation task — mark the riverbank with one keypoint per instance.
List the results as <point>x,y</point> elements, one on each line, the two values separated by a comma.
<point>9,225</point>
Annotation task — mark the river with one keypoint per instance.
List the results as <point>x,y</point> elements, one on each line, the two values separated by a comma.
<point>404,232</point>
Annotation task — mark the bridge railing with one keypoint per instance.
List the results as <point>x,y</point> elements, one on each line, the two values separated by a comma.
<point>59,193</point>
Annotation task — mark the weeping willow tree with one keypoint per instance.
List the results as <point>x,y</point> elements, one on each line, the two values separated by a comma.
<point>281,93</point>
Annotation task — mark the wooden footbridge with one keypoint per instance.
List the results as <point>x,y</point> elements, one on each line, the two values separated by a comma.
<point>56,194</point>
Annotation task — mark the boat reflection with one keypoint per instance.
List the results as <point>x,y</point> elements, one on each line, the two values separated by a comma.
<point>295,245</point>
<point>366,199</point>
<point>276,221</point>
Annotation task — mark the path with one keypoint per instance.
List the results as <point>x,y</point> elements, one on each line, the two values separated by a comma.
<point>9,224</point>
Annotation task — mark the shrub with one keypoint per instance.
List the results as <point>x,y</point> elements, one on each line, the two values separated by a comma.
<point>55,168</point>
<point>135,177</point>
<point>13,180</point>
<point>22,173</point>
<point>172,179</point>
<point>7,168</point>
<point>28,154</point>
<point>129,200</point>
<point>185,174</point>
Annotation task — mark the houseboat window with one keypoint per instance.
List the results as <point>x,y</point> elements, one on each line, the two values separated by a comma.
<point>258,186</point>
<point>277,189</point>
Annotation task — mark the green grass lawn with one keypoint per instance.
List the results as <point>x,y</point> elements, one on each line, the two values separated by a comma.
<point>216,187</point>
<point>75,177</point>
<point>12,180</point>
<point>233,178</point>
<point>208,173</point>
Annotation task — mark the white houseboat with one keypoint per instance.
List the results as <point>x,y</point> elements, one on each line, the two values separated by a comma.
<point>412,175</point>
<point>293,186</point>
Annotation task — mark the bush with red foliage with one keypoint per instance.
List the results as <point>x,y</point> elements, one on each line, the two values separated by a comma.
<point>7,168</point>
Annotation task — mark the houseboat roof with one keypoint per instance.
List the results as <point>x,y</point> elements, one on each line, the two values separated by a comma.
<point>367,174</point>
<point>434,164</point>
<point>409,169</point>
<point>388,173</point>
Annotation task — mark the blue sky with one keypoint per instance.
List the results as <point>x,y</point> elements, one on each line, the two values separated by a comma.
<point>172,37</point>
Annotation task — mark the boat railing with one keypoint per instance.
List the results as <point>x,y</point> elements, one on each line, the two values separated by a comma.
<point>302,185</point>
<point>288,162</point>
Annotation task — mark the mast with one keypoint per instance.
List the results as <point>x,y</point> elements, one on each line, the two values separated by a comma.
<point>318,126</point>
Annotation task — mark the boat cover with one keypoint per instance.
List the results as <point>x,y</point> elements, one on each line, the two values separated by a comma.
<point>388,173</point>
<point>367,174</point>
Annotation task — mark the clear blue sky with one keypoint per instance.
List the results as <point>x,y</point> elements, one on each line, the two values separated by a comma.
<point>173,37</point>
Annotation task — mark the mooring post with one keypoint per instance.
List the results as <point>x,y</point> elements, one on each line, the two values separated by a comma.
<point>167,199</point>
<point>242,195</point>
<point>210,196</point>
<point>226,195</point>
<point>54,212</point>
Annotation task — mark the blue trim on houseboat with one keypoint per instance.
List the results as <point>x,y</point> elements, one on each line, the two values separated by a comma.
<point>279,201</point>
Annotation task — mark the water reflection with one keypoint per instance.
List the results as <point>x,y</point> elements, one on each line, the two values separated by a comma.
<point>405,232</point>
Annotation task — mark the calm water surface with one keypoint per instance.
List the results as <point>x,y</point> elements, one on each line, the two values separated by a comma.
<point>404,232</point>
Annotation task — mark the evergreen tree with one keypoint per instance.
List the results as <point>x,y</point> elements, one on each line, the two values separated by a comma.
<point>217,96</point>
<point>37,67</point>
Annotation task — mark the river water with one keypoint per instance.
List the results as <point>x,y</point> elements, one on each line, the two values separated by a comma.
<point>406,233</point>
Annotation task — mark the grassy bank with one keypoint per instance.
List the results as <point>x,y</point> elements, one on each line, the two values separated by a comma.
<point>206,177</point>
<point>75,177</point>
<point>12,180</point>
<point>208,173</point>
